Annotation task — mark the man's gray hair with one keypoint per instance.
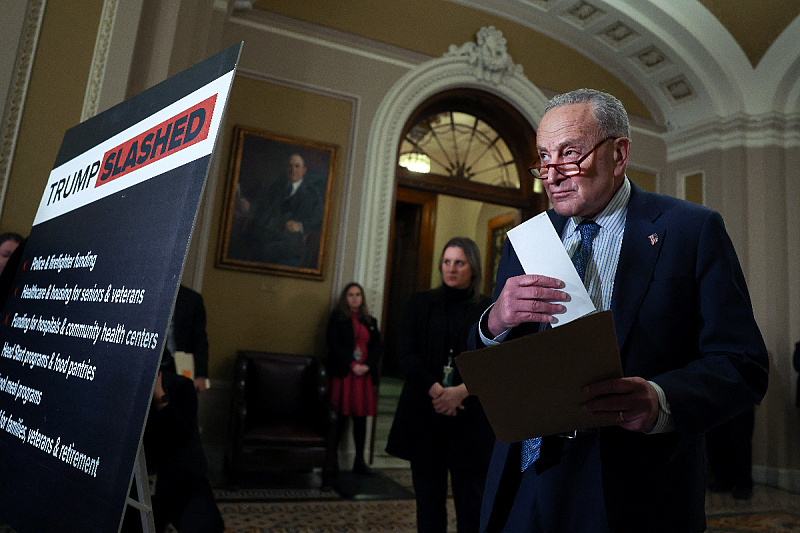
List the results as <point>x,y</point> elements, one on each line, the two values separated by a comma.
<point>608,111</point>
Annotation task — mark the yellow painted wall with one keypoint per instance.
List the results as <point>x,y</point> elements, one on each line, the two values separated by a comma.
<point>694,188</point>
<point>262,311</point>
<point>53,104</point>
<point>645,180</point>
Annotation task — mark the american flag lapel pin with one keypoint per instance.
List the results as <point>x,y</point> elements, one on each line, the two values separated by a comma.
<point>653,239</point>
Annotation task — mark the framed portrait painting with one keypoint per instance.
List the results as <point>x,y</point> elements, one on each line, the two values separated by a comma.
<point>277,204</point>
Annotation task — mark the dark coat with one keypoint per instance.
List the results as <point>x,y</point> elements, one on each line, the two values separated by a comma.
<point>341,343</point>
<point>171,438</point>
<point>684,320</point>
<point>796,361</point>
<point>423,348</point>
<point>189,328</point>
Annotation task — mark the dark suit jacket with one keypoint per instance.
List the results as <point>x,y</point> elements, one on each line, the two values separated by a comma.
<point>189,329</point>
<point>683,319</point>
<point>183,494</point>
<point>10,270</point>
<point>273,242</point>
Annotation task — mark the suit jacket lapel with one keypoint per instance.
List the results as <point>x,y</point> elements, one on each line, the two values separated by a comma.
<point>641,246</point>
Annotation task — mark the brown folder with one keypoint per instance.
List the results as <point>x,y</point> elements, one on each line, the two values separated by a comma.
<point>531,386</point>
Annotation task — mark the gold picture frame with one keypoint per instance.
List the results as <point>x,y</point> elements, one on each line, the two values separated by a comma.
<point>496,230</point>
<point>269,225</point>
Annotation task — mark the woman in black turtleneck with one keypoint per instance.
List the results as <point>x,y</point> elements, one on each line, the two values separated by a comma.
<point>438,426</point>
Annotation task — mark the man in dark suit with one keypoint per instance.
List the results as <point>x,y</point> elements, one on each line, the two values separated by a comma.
<point>692,354</point>
<point>286,217</point>
<point>187,333</point>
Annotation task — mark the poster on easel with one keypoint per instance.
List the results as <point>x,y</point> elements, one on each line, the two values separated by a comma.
<point>85,322</point>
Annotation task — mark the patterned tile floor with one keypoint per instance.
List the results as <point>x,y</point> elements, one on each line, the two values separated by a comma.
<point>770,510</point>
<point>319,517</point>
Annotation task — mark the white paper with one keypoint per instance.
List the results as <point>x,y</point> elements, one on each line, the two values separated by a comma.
<point>540,251</point>
<point>184,364</point>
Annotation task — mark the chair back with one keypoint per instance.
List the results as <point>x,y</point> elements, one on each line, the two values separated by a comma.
<point>281,419</point>
<point>280,387</point>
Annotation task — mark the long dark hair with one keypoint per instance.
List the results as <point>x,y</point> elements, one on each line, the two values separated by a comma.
<point>470,250</point>
<point>343,308</point>
<point>11,236</point>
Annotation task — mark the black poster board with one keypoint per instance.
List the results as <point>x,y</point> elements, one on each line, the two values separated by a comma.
<point>84,325</point>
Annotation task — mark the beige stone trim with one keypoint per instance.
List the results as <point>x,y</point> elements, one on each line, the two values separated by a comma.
<point>12,114</point>
<point>91,100</point>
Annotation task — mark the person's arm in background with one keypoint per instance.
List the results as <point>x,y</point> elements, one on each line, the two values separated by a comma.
<point>174,414</point>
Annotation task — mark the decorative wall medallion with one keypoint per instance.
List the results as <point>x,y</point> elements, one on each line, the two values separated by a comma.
<point>488,55</point>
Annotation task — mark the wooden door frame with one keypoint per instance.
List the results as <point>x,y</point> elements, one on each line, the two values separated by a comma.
<point>429,202</point>
<point>427,230</point>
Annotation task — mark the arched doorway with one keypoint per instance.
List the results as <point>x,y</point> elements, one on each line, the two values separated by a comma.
<point>478,148</point>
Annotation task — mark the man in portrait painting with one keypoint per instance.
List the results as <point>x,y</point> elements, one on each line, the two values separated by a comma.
<point>283,225</point>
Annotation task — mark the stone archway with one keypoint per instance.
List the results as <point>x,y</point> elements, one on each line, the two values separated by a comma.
<point>484,65</point>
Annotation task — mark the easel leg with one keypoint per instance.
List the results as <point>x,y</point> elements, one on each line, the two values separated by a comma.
<point>143,504</point>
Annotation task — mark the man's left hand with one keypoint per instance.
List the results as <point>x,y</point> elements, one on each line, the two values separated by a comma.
<point>631,403</point>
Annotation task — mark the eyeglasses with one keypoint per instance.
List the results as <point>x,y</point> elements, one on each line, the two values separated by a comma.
<point>568,169</point>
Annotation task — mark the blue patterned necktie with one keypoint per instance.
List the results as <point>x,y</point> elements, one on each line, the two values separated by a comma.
<point>583,254</point>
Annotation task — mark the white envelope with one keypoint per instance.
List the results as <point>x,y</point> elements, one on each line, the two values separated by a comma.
<point>540,251</point>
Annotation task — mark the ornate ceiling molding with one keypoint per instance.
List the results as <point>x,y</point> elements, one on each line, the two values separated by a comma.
<point>773,129</point>
<point>674,54</point>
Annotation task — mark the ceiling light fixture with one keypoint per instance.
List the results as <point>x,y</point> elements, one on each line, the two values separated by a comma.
<point>415,162</point>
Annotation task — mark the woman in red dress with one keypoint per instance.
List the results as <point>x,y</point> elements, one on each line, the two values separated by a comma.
<point>354,348</point>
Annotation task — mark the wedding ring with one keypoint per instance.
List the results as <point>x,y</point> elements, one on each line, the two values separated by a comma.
<point>621,418</point>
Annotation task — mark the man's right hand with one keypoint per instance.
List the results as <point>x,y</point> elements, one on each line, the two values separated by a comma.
<point>527,298</point>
